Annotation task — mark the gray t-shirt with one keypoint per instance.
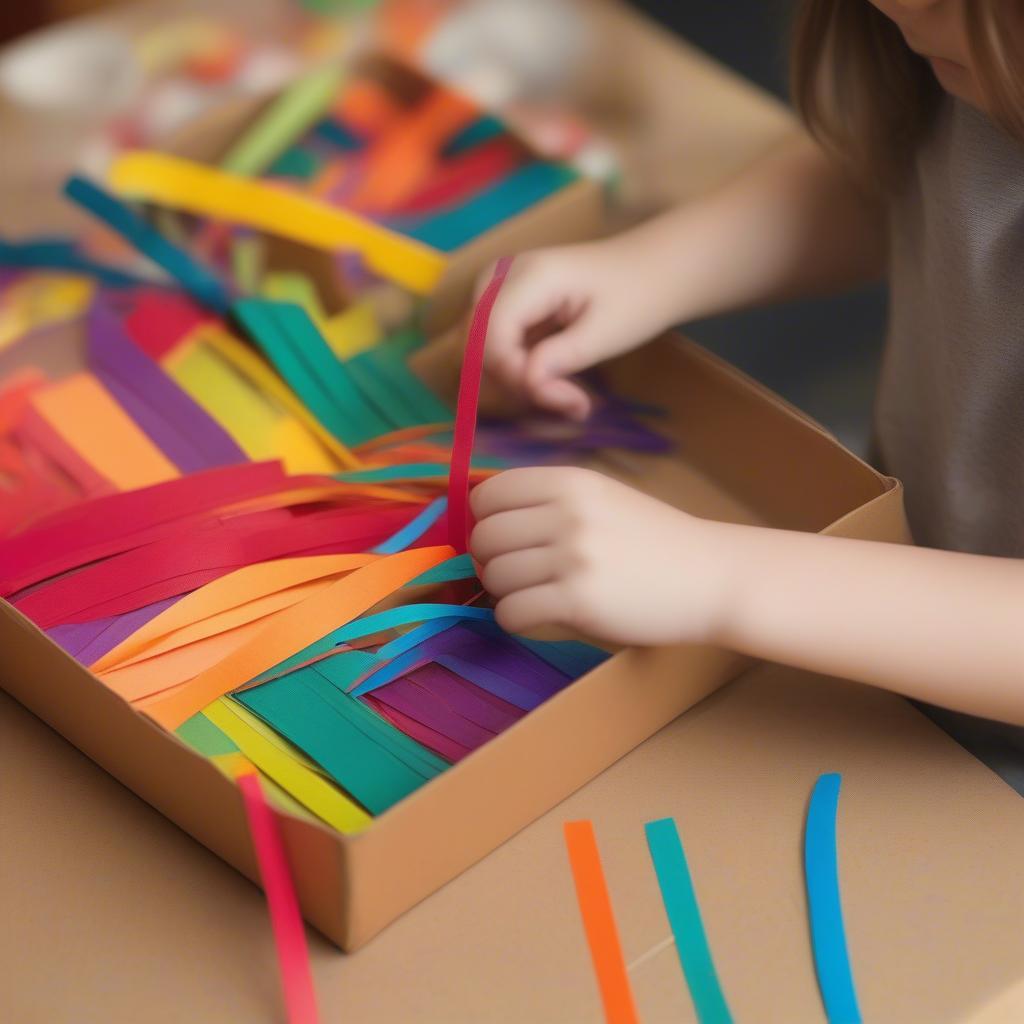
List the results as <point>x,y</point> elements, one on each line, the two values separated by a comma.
<point>950,409</point>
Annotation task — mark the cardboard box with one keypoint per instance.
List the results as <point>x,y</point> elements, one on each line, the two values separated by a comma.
<point>573,213</point>
<point>743,455</point>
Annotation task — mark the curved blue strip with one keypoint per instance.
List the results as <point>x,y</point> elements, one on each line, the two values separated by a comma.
<point>193,277</point>
<point>413,530</point>
<point>61,254</point>
<point>369,624</point>
<point>828,935</point>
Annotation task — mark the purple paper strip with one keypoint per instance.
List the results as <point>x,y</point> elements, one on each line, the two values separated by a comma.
<point>485,679</point>
<point>464,699</point>
<point>182,430</point>
<point>89,641</point>
<point>440,745</point>
<point>428,709</point>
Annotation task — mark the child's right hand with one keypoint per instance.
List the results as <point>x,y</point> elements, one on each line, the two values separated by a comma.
<point>561,311</point>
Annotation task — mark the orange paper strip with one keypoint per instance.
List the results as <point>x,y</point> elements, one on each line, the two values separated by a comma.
<point>92,423</point>
<point>599,923</point>
<point>296,628</point>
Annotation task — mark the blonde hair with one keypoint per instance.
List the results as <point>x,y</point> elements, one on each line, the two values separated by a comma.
<point>868,98</point>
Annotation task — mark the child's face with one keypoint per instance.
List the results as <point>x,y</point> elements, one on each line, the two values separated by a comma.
<point>935,29</point>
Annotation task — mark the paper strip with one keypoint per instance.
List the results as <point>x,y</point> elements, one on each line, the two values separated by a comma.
<point>414,529</point>
<point>285,917</point>
<point>828,935</point>
<point>85,414</point>
<point>459,518</point>
<point>599,923</point>
<point>307,786</point>
<point>286,119</point>
<point>296,628</point>
<point>192,276</point>
<point>62,254</point>
<point>680,899</point>
<point>189,186</point>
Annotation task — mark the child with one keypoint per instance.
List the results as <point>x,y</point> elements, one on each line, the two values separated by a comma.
<point>918,171</point>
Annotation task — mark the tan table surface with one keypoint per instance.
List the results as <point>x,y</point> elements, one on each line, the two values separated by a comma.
<point>112,914</point>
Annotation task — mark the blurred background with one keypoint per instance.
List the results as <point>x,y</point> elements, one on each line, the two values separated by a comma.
<point>822,355</point>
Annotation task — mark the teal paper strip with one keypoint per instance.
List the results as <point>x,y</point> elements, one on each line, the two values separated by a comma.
<point>142,236</point>
<point>828,935</point>
<point>680,899</point>
<point>404,471</point>
<point>379,622</point>
<point>61,254</point>
<point>361,766</point>
<point>460,567</point>
<point>329,679</point>
<point>388,361</point>
<point>521,190</point>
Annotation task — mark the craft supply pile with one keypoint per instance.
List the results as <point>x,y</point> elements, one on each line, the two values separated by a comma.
<point>230,496</point>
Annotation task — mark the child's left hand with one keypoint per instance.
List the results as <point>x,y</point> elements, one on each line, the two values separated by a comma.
<point>573,548</point>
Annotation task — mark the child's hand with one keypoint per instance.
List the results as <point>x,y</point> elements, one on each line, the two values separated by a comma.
<point>561,311</point>
<point>573,548</point>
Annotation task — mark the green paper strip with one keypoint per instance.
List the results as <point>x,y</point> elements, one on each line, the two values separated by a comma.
<point>204,737</point>
<point>296,110</point>
<point>247,263</point>
<point>680,899</point>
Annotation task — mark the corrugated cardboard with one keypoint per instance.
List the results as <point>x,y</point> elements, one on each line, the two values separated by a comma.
<point>743,455</point>
<point>573,213</point>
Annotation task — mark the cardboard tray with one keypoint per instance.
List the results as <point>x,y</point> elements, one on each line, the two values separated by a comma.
<point>572,214</point>
<point>743,455</point>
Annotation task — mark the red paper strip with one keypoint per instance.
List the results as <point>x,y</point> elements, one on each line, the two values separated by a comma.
<point>115,523</point>
<point>162,319</point>
<point>285,917</point>
<point>192,558</point>
<point>465,175</point>
<point>460,520</point>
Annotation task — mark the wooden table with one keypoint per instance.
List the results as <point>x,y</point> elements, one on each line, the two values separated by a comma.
<point>113,914</point>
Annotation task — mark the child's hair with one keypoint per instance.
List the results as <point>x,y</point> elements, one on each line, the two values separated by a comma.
<point>867,97</point>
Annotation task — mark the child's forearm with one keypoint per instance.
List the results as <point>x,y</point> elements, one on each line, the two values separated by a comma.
<point>793,224</point>
<point>938,626</point>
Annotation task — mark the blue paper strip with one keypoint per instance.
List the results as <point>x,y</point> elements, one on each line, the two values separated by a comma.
<point>412,531</point>
<point>680,899</point>
<point>192,276</point>
<point>63,255</point>
<point>828,935</point>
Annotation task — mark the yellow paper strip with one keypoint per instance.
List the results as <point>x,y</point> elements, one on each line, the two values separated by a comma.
<point>247,413</point>
<point>247,363</point>
<point>235,765</point>
<point>172,181</point>
<point>310,788</point>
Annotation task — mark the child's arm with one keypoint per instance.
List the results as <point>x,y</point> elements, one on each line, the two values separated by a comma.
<point>793,224</point>
<point>570,547</point>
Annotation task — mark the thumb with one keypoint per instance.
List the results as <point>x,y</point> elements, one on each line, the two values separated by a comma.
<point>549,366</point>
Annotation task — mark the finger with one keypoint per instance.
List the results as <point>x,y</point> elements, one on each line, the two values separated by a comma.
<point>565,397</point>
<point>524,610</point>
<point>526,301</point>
<point>563,353</point>
<point>515,530</point>
<point>515,488</point>
<point>518,570</point>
